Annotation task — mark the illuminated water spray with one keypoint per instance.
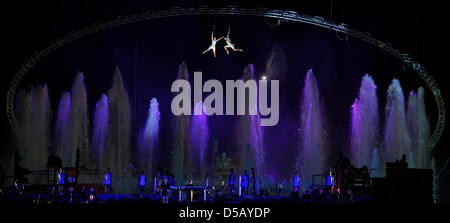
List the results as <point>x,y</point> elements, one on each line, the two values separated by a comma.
<point>64,150</point>
<point>313,147</point>
<point>397,141</point>
<point>364,126</point>
<point>182,159</point>
<point>100,132</point>
<point>118,153</point>
<point>419,129</point>
<point>199,139</point>
<point>148,138</point>
<point>79,121</point>
<point>249,138</point>
<point>33,112</point>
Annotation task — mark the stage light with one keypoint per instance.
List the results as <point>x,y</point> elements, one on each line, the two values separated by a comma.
<point>263,78</point>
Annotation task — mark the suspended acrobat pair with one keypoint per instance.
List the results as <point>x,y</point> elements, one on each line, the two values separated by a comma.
<point>227,39</point>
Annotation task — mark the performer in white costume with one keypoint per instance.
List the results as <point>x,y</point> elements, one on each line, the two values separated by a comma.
<point>213,44</point>
<point>229,44</point>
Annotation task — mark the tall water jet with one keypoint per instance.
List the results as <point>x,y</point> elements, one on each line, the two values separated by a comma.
<point>33,114</point>
<point>199,139</point>
<point>24,128</point>
<point>148,138</point>
<point>364,124</point>
<point>118,153</point>
<point>64,150</point>
<point>276,69</point>
<point>419,129</point>
<point>100,132</point>
<point>396,135</point>
<point>249,137</point>
<point>79,121</point>
<point>411,118</point>
<point>40,122</point>
<point>313,147</point>
<point>181,153</point>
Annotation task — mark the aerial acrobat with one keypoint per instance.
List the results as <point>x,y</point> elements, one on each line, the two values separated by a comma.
<point>213,44</point>
<point>229,44</point>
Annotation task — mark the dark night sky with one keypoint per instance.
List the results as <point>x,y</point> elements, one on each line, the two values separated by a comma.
<point>410,26</point>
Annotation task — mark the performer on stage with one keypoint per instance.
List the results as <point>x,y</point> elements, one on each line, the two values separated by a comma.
<point>253,181</point>
<point>330,181</point>
<point>70,195</point>
<point>92,195</point>
<point>82,195</point>
<point>158,181</point>
<point>141,184</point>
<point>61,178</point>
<point>172,181</point>
<point>165,190</point>
<point>244,182</point>
<point>61,195</point>
<point>296,182</point>
<point>229,44</point>
<point>231,182</point>
<point>191,192</point>
<point>107,181</point>
<point>213,44</point>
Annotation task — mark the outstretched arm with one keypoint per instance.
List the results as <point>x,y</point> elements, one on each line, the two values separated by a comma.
<point>212,35</point>
<point>220,38</point>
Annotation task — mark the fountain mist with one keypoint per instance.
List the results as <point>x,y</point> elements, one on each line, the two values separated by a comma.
<point>100,132</point>
<point>419,129</point>
<point>199,140</point>
<point>33,114</point>
<point>182,163</point>
<point>64,150</point>
<point>313,147</point>
<point>118,154</point>
<point>148,138</point>
<point>396,138</point>
<point>364,125</point>
<point>79,121</point>
<point>249,138</point>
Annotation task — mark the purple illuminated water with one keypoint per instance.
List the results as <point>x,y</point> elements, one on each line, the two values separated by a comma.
<point>100,132</point>
<point>364,125</point>
<point>406,131</point>
<point>64,150</point>
<point>313,147</point>
<point>148,138</point>
<point>396,135</point>
<point>199,140</point>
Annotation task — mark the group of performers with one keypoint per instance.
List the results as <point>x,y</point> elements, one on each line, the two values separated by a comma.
<point>227,39</point>
<point>338,185</point>
<point>245,182</point>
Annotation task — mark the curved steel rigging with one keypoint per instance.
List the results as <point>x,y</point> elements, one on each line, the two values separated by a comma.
<point>281,15</point>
